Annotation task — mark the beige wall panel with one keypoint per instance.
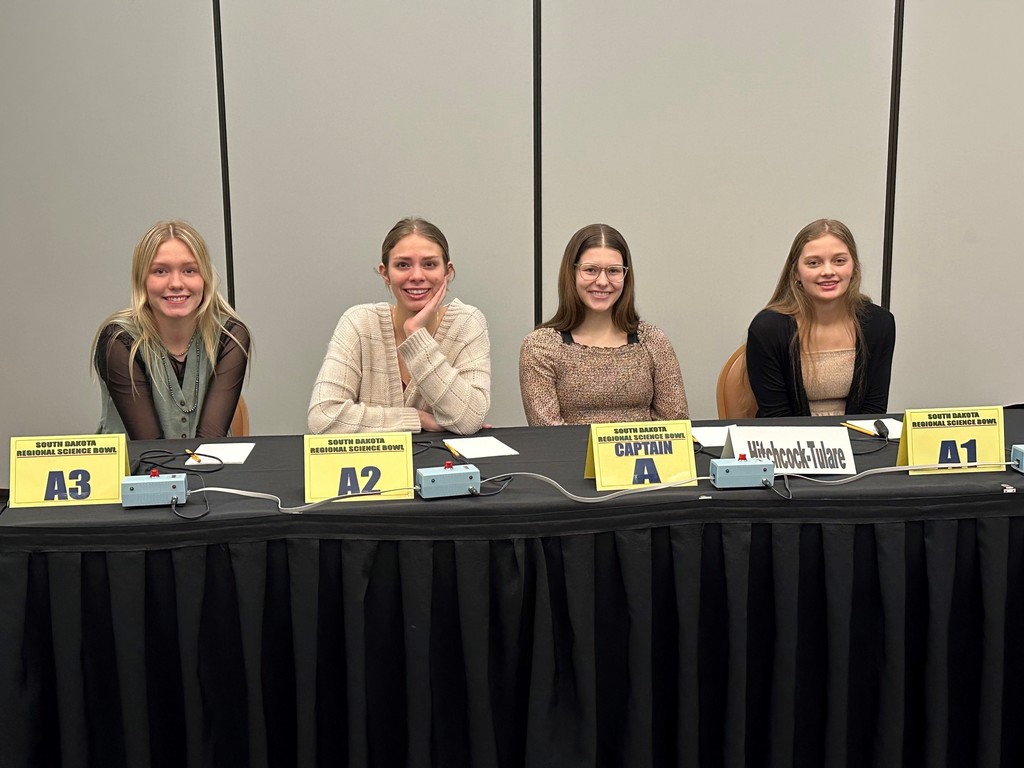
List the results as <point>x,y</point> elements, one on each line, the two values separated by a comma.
<point>709,134</point>
<point>109,123</point>
<point>342,119</point>
<point>956,291</point>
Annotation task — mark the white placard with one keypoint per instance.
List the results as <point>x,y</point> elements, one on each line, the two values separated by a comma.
<point>794,450</point>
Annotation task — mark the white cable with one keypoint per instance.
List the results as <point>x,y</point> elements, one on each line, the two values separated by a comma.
<point>885,470</point>
<point>304,507</point>
<point>592,499</point>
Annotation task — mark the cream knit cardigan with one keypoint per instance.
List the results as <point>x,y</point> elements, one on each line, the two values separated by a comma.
<point>359,388</point>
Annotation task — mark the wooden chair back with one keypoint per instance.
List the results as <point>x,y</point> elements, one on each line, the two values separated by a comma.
<point>735,398</point>
<point>240,421</point>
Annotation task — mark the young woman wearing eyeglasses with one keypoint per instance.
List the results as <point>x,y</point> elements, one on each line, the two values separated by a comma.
<point>596,361</point>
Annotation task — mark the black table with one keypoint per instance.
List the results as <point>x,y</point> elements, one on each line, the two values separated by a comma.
<point>875,623</point>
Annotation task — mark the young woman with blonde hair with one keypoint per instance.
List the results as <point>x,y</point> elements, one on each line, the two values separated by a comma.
<point>171,365</point>
<point>821,347</point>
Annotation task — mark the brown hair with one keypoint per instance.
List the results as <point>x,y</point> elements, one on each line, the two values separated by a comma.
<point>413,226</point>
<point>571,310</point>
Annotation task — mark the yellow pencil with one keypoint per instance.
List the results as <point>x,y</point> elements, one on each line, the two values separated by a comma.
<point>862,430</point>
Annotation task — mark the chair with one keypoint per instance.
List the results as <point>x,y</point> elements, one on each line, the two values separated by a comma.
<point>240,421</point>
<point>735,398</point>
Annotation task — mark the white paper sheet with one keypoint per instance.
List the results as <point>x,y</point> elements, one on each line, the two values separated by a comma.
<point>478,447</point>
<point>228,453</point>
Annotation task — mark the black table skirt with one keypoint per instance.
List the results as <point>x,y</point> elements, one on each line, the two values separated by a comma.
<point>695,643</point>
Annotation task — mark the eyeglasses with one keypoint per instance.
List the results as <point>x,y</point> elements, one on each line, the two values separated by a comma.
<point>589,272</point>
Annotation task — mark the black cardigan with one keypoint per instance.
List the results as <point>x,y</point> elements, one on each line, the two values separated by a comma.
<point>778,382</point>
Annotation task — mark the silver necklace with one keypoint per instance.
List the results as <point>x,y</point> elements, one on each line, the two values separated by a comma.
<point>170,384</point>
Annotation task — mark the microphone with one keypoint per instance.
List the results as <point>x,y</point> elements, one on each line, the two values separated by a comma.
<point>881,430</point>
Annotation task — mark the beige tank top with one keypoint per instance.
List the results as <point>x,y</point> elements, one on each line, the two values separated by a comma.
<point>828,376</point>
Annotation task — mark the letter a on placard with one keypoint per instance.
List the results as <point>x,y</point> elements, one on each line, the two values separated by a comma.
<point>56,488</point>
<point>645,471</point>
<point>348,481</point>
<point>948,454</point>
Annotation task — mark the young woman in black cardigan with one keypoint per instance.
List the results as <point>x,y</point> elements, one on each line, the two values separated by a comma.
<point>821,347</point>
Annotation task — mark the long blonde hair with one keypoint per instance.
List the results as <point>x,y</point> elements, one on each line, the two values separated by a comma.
<point>791,299</point>
<point>137,319</point>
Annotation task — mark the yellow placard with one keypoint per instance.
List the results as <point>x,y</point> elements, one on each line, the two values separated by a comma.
<point>376,464</point>
<point>67,470</point>
<point>642,453</point>
<point>953,436</point>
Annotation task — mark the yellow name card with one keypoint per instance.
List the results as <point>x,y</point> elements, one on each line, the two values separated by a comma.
<point>953,436</point>
<point>641,453</point>
<point>67,470</point>
<point>378,465</point>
